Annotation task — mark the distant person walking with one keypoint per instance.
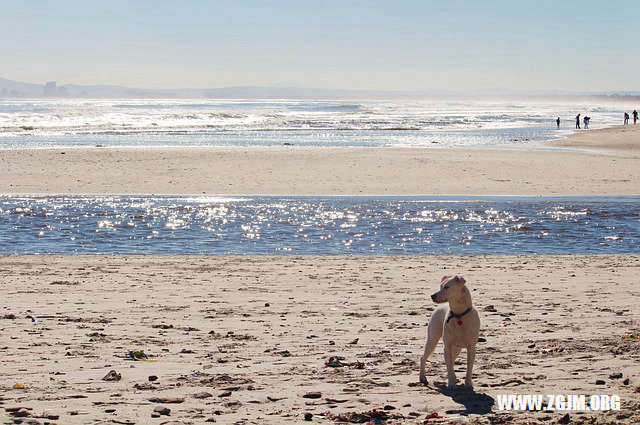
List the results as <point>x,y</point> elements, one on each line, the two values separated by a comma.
<point>586,122</point>
<point>558,122</point>
<point>578,121</point>
<point>635,116</point>
<point>626,118</point>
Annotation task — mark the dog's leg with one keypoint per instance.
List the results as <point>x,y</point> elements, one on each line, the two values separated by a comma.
<point>471,356</point>
<point>429,348</point>
<point>434,333</point>
<point>448,359</point>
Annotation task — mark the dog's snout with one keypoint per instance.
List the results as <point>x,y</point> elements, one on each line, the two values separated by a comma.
<point>433,297</point>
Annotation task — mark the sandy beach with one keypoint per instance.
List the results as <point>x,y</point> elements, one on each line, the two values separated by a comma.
<point>608,163</point>
<point>248,339</point>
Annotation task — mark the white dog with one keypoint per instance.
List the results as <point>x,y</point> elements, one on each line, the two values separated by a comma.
<point>458,325</point>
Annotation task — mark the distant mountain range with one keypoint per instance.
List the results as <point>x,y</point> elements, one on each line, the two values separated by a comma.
<point>16,89</point>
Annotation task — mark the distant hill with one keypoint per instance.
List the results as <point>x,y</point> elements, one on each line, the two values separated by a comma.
<point>17,89</point>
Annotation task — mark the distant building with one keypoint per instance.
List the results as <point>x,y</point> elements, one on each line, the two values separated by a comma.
<point>50,89</point>
<point>62,91</point>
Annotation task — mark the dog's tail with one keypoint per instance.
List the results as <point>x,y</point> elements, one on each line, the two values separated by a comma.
<point>434,333</point>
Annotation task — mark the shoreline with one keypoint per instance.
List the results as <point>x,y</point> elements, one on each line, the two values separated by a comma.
<point>610,165</point>
<point>240,338</point>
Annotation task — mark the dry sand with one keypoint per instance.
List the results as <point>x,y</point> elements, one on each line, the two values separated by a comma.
<point>243,339</point>
<point>614,169</point>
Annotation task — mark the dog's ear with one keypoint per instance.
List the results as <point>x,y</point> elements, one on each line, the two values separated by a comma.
<point>459,279</point>
<point>444,278</point>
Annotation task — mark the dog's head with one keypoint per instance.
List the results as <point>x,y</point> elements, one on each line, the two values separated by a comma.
<point>450,287</point>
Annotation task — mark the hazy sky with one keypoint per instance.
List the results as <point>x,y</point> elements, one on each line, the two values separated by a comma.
<point>394,44</point>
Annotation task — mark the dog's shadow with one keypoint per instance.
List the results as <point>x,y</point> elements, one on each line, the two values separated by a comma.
<point>473,402</point>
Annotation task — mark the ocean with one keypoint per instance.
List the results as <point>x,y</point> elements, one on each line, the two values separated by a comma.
<point>209,225</point>
<point>41,123</point>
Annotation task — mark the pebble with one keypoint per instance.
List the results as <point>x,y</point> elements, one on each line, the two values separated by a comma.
<point>308,417</point>
<point>161,410</point>
<point>599,382</point>
<point>389,407</point>
<point>225,394</point>
<point>152,378</point>
<point>565,419</point>
<point>48,414</point>
<point>203,394</point>
<point>112,376</point>
<point>617,375</point>
<point>313,394</point>
<point>20,413</point>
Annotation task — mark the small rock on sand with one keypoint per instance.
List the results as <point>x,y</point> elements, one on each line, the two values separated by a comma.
<point>312,394</point>
<point>112,376</point>
<point>161,410</point>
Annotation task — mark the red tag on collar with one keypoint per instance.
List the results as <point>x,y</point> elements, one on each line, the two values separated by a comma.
<point>460,322</point>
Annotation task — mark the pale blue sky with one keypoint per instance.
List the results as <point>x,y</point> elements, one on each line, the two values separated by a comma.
<point>401,44</point>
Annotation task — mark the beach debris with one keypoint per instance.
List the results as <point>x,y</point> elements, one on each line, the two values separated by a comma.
<point>9,316</point>
<point>152,378</point>
<point>112,376</point>
<point>144,386</point>
<point>19,387</point>
<point>161,411</point>
<point>626,381</point>
<point>308,417</point>
<point>167,400</point>
<point>20,413</point>
<point>374,416</point>
<point>336,361</point>
<point>48,414</point>
<point>600,382</point>
<point>162,326</point>
<point>565,419</point>
<point>225,394</point>
<point>312,395</point>
<point>355,341</point>
<point>432,415</point>
<point>202,395</point>
<point>140,356</point>
<point>616,375</point>
<point>627,336</point>
<point>490,308</point>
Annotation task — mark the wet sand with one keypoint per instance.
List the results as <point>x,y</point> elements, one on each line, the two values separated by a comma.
<point>610,167</point>
<point>244,339</point>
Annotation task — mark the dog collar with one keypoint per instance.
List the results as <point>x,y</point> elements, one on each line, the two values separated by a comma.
<point>456,315</point>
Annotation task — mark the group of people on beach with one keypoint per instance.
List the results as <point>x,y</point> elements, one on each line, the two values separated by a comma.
<point>635,117</point>
<point>585,119</point>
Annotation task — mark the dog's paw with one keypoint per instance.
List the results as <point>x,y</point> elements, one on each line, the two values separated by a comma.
<point>423,379</point>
